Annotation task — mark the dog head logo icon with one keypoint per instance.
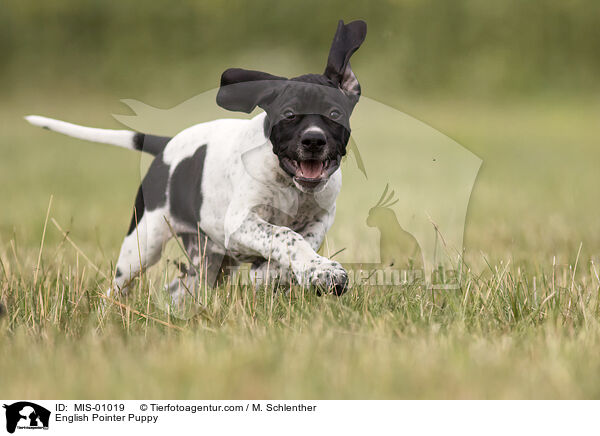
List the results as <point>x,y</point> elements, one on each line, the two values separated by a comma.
<point>26,415</point>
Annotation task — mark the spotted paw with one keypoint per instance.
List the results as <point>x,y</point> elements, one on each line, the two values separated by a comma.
<point>265,272</point>
<point>327,276</point>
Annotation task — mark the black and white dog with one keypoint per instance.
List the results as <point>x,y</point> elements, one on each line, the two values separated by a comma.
<point>261,190</point>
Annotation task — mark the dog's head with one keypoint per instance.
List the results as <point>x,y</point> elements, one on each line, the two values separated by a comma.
<point>308,117</point>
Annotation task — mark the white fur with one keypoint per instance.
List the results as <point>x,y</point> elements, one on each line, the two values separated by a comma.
<point>120,138</point>
<point>251,209</point>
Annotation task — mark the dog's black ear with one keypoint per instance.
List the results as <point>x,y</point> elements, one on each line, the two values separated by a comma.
<point>243,90</point>
<point>346,41</point>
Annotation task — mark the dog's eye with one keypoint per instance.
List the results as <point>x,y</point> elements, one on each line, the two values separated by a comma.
<point>335,114</point>
<point>289,114</point>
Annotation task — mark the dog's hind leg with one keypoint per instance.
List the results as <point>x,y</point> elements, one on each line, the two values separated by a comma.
<point>209,266</point>
<point>141,248</point>
<point>187,284</point>
<point>149,229</point>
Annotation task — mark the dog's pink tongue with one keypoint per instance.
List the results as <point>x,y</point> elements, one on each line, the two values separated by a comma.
<point>311,169</point>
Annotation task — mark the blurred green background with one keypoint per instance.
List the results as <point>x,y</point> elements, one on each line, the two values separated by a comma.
<point>470,47</point>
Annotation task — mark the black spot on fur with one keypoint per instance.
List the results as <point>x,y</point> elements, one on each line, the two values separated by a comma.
<point>155,184</point>
<point>185,189</point>
<point>138,141</point>
<point>150,143</point>
<point>119,273</point>
<point>152,193</point>
<point>138,211</point>
<point>45,127</point>
<point>2,310</point>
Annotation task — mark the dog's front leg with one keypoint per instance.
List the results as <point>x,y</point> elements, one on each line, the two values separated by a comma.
<point>255,236</point>
<point>314,232</point>
<point>271,271</point>
<point>266,272</point>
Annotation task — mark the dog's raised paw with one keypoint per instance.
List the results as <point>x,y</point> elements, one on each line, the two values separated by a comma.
<point>264,273</point>
<point>327,276</point>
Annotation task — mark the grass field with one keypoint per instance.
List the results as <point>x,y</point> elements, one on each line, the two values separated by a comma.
<point>525,323</point>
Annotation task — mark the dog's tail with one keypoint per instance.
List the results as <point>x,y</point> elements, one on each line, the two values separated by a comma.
<point>121,138</point>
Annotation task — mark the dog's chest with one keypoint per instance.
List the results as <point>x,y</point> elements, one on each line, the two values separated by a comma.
<point>294,215</point>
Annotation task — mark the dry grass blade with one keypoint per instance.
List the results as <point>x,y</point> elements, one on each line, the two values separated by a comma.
<point>79,250</point>
<point>137,312</point>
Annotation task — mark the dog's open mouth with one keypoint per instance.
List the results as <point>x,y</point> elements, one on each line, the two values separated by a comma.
<point>309,173</point>
<point>311,169</point>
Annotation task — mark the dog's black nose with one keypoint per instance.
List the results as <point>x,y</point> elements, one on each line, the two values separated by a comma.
<point>313,138</point>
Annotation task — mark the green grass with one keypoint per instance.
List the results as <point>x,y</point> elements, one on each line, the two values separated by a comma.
<point>523,325</point>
